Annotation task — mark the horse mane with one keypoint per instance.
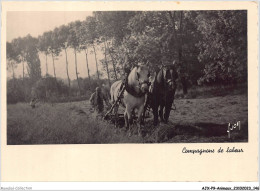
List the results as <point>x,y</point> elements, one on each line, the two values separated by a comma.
<point>159,78</point>
<point>131,75</point>
<point>142,67</point>
<point>130,87</point>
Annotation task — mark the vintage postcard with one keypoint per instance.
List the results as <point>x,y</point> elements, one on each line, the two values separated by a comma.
<point>129,91</point>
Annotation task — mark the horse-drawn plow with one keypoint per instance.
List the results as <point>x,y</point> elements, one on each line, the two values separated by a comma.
<point>119,116</point>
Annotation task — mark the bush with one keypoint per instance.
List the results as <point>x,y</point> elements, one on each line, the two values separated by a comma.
<point>49,87</point>
<point>213,91</point>
<point>18,90</point>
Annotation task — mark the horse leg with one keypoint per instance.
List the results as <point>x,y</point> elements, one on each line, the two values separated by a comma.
<point>145,108</point>
<point>116,116</point>
<point>167,111</point>
<point>140,115</point>
<point>126,120</point>
<point>167,114</point>
<point>129,119</point>
<point>133,114</point>
<point>161,113</point>
<point>144,113</point>
<point>155,115</point>
<point>143,116</point>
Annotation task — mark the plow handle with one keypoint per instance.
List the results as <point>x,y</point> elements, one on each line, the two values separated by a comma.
<point>116,102</point>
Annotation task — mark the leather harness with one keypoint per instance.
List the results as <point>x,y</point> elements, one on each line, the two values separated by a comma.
<point>131,90</point>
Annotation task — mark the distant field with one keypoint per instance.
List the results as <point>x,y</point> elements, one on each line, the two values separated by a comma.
<point>194,120</point>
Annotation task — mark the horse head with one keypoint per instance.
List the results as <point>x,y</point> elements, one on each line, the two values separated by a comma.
<point>142,77</point>
<point>169,77</point>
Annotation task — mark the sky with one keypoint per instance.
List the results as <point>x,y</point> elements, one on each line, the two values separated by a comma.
<point>35,23</point>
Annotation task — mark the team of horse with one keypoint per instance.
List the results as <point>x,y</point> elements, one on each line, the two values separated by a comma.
<point>140,91</point>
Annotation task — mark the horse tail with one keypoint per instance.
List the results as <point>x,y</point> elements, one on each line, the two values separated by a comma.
<point>114,91</point>
<point>111,94</point>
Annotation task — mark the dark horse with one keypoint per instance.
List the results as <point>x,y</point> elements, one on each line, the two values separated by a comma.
<point>162,92</point>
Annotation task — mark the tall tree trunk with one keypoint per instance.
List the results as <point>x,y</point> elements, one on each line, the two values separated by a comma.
<point>172,21</point>
<point>28,71</point>
<point>96,60</point>
<point>67,68</point>
<point>46,65</point>
<point>183,76</point>
<point>108,74</point>
<point>86,53</point>
<point>12,65</point>
<point>183,79</point>
<point>76,68</point>
<point>118,57</point>
<point>113,62</point>
<point>180,39</point>
<point>23,70</point>
<point>53,65</point>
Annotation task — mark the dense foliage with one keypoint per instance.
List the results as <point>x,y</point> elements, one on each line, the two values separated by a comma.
<point>209,47</point>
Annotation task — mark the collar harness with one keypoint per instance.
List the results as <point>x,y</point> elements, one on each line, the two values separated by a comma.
<point>131,90</point>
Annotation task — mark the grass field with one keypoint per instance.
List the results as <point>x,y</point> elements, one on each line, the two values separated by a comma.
<point>194,120</point>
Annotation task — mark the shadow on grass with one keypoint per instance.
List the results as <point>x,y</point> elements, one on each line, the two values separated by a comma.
<point>195,133</point>
<point>65,124</point>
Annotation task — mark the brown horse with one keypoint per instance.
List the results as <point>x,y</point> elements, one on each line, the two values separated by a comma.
<point>136,86</point>
<point>162,93</point>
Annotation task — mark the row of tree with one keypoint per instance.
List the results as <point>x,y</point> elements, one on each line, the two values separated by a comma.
<point>209,46</point>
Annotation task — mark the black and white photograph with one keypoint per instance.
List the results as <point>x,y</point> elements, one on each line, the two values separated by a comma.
<point>149,95</point>
<point>109,77</point>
